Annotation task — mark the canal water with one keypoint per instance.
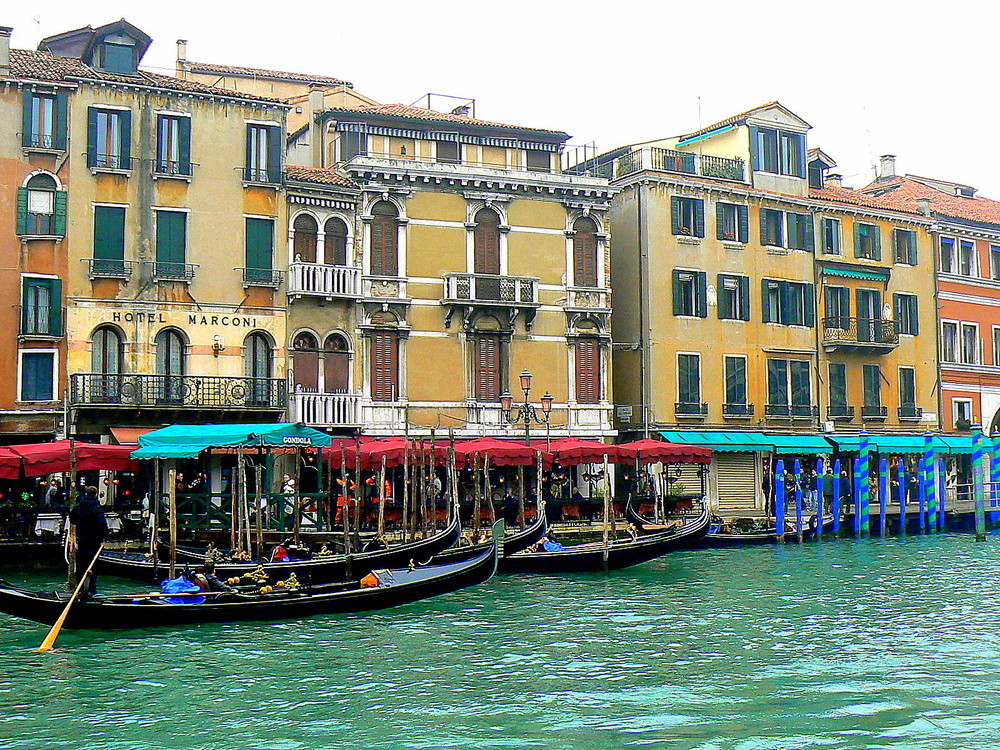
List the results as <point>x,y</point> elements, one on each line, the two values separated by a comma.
<point>845,644</point>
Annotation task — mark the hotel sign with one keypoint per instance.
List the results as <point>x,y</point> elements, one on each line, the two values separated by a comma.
<point>193,319</point>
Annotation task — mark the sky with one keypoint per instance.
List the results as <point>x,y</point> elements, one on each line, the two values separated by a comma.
<point>914,79</point>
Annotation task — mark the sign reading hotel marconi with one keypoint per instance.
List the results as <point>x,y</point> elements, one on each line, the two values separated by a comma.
<point>193,319</point>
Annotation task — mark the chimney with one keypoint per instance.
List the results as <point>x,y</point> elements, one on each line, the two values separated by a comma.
<point>836,180</point>
<point>887,169</point>
<point>182,46</point>
<point>316,104</point>
<point>5,32</point>
<point>924,206</point>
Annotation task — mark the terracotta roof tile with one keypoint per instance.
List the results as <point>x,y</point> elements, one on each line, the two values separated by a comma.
<point>42,66</point>
<point>904,192</point>
<point>419,113</point>
<point>238,70</point>
<point>857,198</point>
<point>317,175</point>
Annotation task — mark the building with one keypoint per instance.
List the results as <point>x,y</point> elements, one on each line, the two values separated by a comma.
<point>966,233</point>
<point>163,243</point>
<point>759,304</point>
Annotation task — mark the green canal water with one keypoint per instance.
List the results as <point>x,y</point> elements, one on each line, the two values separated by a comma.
<point>867,644</point>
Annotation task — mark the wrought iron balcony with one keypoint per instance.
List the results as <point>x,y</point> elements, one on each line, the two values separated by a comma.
<point>860,334</point>
<point>266,277</point>
<point>840,411</point>
<point>669,160</point>
<point>177,392</point>
<point>326,409</point>
<point>169,271</point>
<point>109,268</point>
<point>874,412</point>
<point>791,411</point>
<point>910,412</point>
<point>690,409</point>
<point>318,280</point>
<point>493,289</point>
<point>737,411</point>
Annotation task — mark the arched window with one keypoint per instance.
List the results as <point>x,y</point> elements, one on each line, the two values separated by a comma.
<point>336,364</point>
<point>304,230</point>
<point>486,242</point>
<point>40,211</point>
<point>585,252</point>
<point>107,357</point>
<point>305,362</point>
<point>258,362</point>
<point>170,366</point>
<point>384,359</point>
<point>384,240</point>
<point>336,242</point>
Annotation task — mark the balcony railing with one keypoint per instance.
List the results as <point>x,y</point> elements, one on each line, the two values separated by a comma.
<point>169,271</point>
<point>840,411</point>
<point>791,411</point>
<point>42,225</point>
<point>266,277</point>
<point>317,280</point>
<point>177,391</point>
<point>668,160</point>
<point>860,333</point>
<point>874,412</point>
<point>589,297</point>
<point>737,411</point>
<point>492,288</point>
<point>690,409</point>
<point>910,412</point>
<point>109,268</point>
<point>326,409</point>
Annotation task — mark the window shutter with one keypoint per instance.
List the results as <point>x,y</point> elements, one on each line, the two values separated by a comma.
<point>55,307</point>
<point>184,138</point>
<point>702,294</point>
<point>588,371</point>
<point>809,305</point>
<point>914,317</point>
<point>259,244</point>
<point>336,372</point>
<point>876,242</point>
<point>249,163</point>
<point>170,226</point>
<point>274,154</point>
<point>26,285</point>
<point>785,304</point>
<point>743,222</point>
<point>125,133</point>
<point>808,234</point>
<point>699,218</point>
<point>744,297</point>
<point>486,243</point>
<point>719,220</point>
<point>384,250</point>
<point>755,147</point>
<point>720,290</point>
<point>22,211</point>
<point>306,364</point>
<point>487,368</point>
<point>109,233</point>
<point>27,96</point>
<point>91,136</point>
<point>800,142</point>
<point>768,313</point>
<point>385,352</point>
<point>585,259</point>
<point>59,215</point>
<point>678,307</point>
<point>675,214</point>
<point>764,239</point>
<point>62,119</point>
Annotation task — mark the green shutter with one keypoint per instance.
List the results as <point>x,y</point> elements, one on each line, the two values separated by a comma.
<point>675,214</point>
<point>914,317</point>
<point>274,154</point>
<point>55,307</point>
<point>26,284</point>
<point>743,221</point>
<point>744,297</point>
<point>877,241</point>
<point>248,152</point>
<point>678,309</point>
<point>26,139</point>
<point>91,136</point>
<point>809,305</point>
<point>259,243</point>
<point>801,144</point>
<point>720,292</point>
<point>184,136</point>
<point>59,228</point>
<point>22,211</point>
<point>719,221</point>
<point>62,120</point>
<point>763,226</point>
<point>755,155</point>
<point>170,239</point>
<point>699,218</point>
<point>109,233</point>
<point>767,313</point>
<point>808,235</point>
<point>702,292</point>
<point>125,133</point>
<point>784,292</point>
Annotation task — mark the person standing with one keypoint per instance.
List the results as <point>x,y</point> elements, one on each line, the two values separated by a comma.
<point>53,495</point>
<point>91,531</point>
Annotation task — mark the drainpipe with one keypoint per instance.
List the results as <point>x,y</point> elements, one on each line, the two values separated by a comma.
<point>645,334</point>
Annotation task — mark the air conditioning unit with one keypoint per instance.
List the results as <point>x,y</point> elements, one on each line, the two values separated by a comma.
<point>828,427</point>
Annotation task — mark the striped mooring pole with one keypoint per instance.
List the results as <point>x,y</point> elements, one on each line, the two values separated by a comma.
<point>837,509</point>
<point>798,499</point>
<point>864,469</point>
<point>901,472</point>
<point>994,478</point>
<point>779,500</point>
<point>930,479</point>
<point>940,470</point>
<point>883,494</point>
<point>820,500</point>
<point>979,480</point>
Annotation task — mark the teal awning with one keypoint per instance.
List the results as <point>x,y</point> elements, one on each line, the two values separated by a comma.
<point>905,444</point>
<point>956,443</point>
<point>725,441</point>
<point>853,273</point>
<point>187,441</point>
<point>800,444</point>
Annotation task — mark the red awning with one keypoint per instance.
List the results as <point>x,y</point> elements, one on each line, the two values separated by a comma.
<point>10,464</point>
<point>570,451</point>
<point>392,448</point>
<point>657,451</point>
<point>500,452</point>
<point>49,458</point>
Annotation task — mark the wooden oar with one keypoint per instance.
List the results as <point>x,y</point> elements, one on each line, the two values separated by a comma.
<point>53,633</point>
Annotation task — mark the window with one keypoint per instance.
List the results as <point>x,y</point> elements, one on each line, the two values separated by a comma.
<point>734,297</point>
<point>962,411</point>
<point>259,251</point>
<point>448,152</point>
<point>736,380</point>
<point>966,258</point>
<point>949,342</point>
<point>947,255</point>
<point>688,216</point>
<point>538,161</point>
<point>867,241</point>
<point>109,240</point>
<point>995,262</point>
<point>789,388</point>
<point>779,151</point>
<point>305,363</point>
<point>41,306</point>
<point>118,56</point>
<point>869,302</point>
<point>838,386</point>
<point>38,375</point>
<point>384,240</point>
<point>777,386</point>
<point>837,303</point>
<point>330,366</point>
<point>109,138</point>
<point>907,391</point>
<point>588,370</point>
<point>872,375</point>
<point>732,222</point>
<point>585,252</point>
<point>905,244</point>
<point>336,364</point>
<point>801,388</point>
<point>385,365</point>
<point>335,241</point>
<point>789,303</point>
<point>996,346</point>
<point>486,242</point>
<point>353,144</point>
<point>107,360</point>
<point>173,144</point>
<point>171,245</point>
<point>800,231</point>
<point>970,343</point>
<point>171,366</point>
<point>44,119</point>
<point>304,239</point>
<point>832,237</point>
<point>816,176</point>
<point>905,306</point>
<point>488,366</point>
<point>772,227</point>
<point>41,207</point>
<point>689,378</point>
<point>258,364</point>
<point>690,293</point>
<point>263,153</point>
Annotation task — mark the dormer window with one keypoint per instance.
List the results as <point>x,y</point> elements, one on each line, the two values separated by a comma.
<point>779,151</point>
<point>116,54</point>
<point>816,175</point>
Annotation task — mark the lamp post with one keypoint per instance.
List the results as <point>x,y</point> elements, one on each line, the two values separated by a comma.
<point>526,413</point>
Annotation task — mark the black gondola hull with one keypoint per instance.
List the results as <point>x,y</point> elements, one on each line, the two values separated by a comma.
<point>522,540</point>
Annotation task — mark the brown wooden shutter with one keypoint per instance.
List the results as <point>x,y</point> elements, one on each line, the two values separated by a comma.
<point>304,239</point>
<point>335,245</point>
<point>588,371</point>
<point>488,376</point>
<point>336,372</point>
<point>384,240</point>
<point>486,237</point>
<point>585,253</point>
<point>306,364</point>
<point>385,366</point>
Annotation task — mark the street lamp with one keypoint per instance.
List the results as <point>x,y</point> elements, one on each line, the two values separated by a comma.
<point>526,413</point>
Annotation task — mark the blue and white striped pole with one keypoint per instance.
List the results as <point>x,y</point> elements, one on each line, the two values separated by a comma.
<point>994,477</point>
<point>798,500</point>
<point>941,494</point>
<point>864,457</point>
<point>857,497</point>
<point>820,499</point>
<point>779,500</point>
<point>931,481</point>
<point>922,495</point>
<point>901,472</point>
<point>836,498</point>
<point>883,494</point>
<point>979,480</point>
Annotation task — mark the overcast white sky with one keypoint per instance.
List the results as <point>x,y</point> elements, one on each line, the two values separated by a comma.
<point>915,79</point>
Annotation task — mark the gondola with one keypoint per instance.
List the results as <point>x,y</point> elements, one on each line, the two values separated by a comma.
<point>317,570</point>
<point>524,539</point>
<point>400,586</point>
<point>617,554</point>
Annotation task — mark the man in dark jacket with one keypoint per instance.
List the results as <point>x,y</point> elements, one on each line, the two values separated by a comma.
<point>91,531</point>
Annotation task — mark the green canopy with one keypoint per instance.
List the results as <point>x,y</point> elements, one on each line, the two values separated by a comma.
<point>727,441</point>
<point>854,273</point>
<point>187,441</point>
<point>800,444</point>
<point>905,444</point>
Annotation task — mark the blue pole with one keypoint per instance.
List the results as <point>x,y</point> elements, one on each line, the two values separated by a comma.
<point>930,495</point>
<point>901,471</point>
<point>922,496</point>
<point>994,477</point>
<point>779,500</point>
<point>836,498</point>
<point>941,492</point>
<point>857,497</point>
<point>820,500</point>
<point>864,456</point>
<point>798,499</point>
<point>883,494</point>
<point>979,480</point>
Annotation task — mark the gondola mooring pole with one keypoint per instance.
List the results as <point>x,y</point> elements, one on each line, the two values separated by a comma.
<point>837,509</point>
<point>820,498</point>
<point>522,491</point>
<point>902,477</point>
<point>381,499</point>
<point>930,477</point>
<point>154,518</point>
<point>883,494</point>
<point>258,473</point>
<point>345,512</point>
<point>779,500</point>
<point>864,497</point>
<point>71,575</point>
<point>359,489</point>
<point>607,513</point>
<point>979,480</point>
<point>172,510</point>
<point>798,499</point>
